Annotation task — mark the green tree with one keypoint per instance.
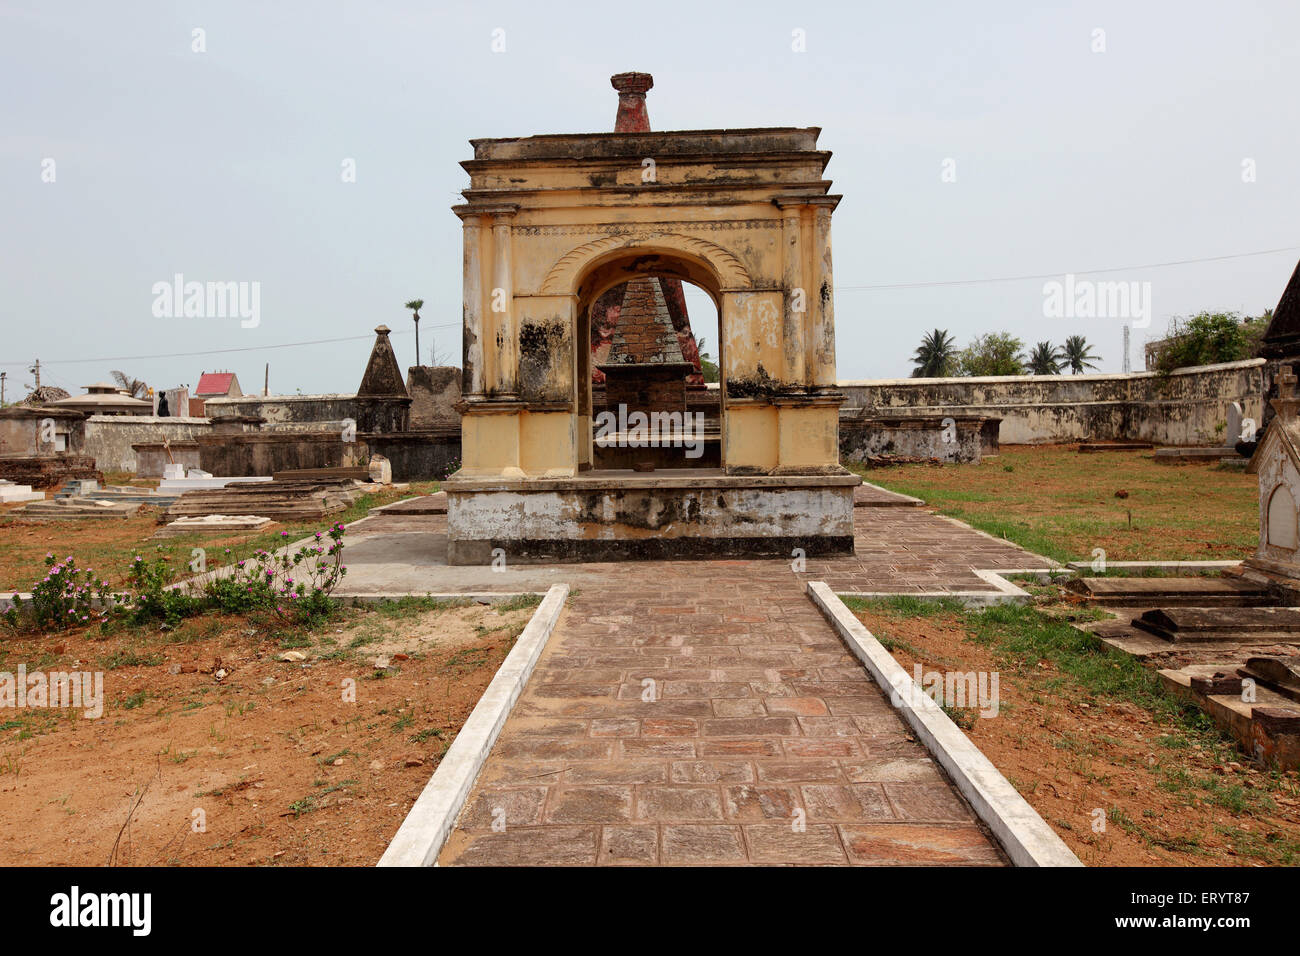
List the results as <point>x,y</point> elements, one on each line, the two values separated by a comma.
<point>1206,338</point>
<point>708,367</point>
<point>994,353</point>
<point>1255,329</point>
<point>1046,359</point>
<point>1078,354</point>
<point>936,357</point>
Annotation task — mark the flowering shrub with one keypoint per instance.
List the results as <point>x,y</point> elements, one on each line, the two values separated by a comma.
<point>154,600</point>
<point>297,586</point>
<point>66,597</point>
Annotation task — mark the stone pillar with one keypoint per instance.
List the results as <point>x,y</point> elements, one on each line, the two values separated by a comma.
<point>473,380</point>
<point>505,322</point>
<point>822,353</point>
<point>797,297</point>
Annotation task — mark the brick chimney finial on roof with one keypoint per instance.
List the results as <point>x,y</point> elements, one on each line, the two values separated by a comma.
<point>632,116</point>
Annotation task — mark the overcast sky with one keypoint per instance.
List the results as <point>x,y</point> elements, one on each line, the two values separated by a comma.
<point>228,164</point>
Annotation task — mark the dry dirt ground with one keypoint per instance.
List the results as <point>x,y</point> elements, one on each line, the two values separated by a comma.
<point>1056,502</point>
<point>213,751</point>
<point>1170,795</point>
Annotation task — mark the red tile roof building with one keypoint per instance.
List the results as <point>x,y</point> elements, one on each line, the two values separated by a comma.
<point>217,385</point>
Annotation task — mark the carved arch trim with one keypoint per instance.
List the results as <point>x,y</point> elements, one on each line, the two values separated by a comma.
<point>562,278</point>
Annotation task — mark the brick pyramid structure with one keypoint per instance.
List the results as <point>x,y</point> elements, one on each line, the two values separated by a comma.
<point>633,117</point>
<point>644,334</point>
<point>645,369</point>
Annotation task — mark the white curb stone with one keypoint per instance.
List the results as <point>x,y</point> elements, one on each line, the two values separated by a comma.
<point>430,822</point>
<point>1005,592</point>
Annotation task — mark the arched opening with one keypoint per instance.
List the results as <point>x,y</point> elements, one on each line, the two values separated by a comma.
<point>650,395</point>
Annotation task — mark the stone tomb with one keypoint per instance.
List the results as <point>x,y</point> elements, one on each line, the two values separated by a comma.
<point>213,524</point>
<point>1276,462</point>
<point>10,493</point>
<point>550,224</point>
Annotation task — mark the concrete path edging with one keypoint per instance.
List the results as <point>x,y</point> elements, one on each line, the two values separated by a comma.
<point>367,598</point>
<point>430,821</point>
<point>1023,834</point>
<point>1161,565</point>
<point>1004,591</point>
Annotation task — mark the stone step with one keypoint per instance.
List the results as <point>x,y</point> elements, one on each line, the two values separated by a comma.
<point>181,485</point>
<point>59,509</point>
<point>140,496</point>
<point>1173,456</point>
<point>277,500</point>
<point>1243,625</point>
<point>1281,674</point>
<point>1189,591</point>
<point>1089,448</point>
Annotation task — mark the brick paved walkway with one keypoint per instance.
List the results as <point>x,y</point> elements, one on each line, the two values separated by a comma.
<point>694,712</point>
<point>685,716</point>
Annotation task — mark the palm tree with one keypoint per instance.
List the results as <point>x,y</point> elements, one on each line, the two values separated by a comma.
<point>936,357</point>
<point>415,305</point>
<point>135,387</point>
<point>708,367</point>
<point>1046,359</point>
<point>1078,354</point>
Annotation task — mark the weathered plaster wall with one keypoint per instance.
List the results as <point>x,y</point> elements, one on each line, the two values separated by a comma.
<point>950,439</point>
<point>21,429</point>
<point>1187,407</point>
<point>434,392</point>
<point>109,437</point>
<point>252,453</point>
<point>301,431</point>
<point>296,410</point>
<point>649,518</point>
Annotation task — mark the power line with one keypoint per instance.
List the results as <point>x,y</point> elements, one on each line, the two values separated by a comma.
<point>1057,275</point>
<point>841,288</point>
<point>248,348</point>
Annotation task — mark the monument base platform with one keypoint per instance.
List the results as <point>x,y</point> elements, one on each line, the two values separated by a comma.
<point>665,515</point>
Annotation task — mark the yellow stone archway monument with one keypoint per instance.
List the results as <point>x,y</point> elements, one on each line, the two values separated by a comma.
<point>553,222</point>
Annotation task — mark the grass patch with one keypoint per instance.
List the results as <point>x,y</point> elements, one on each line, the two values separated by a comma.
<point>518,603</point>
<point>125,658</point>
<point>411,606</point>
<point>1064,504</point>
<point>1065,664</point>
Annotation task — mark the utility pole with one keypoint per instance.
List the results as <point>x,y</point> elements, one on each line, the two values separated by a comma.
<point>3,376</point>
<point>266,382</point>
<point>36,370</point>
<point>1126,350</point>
